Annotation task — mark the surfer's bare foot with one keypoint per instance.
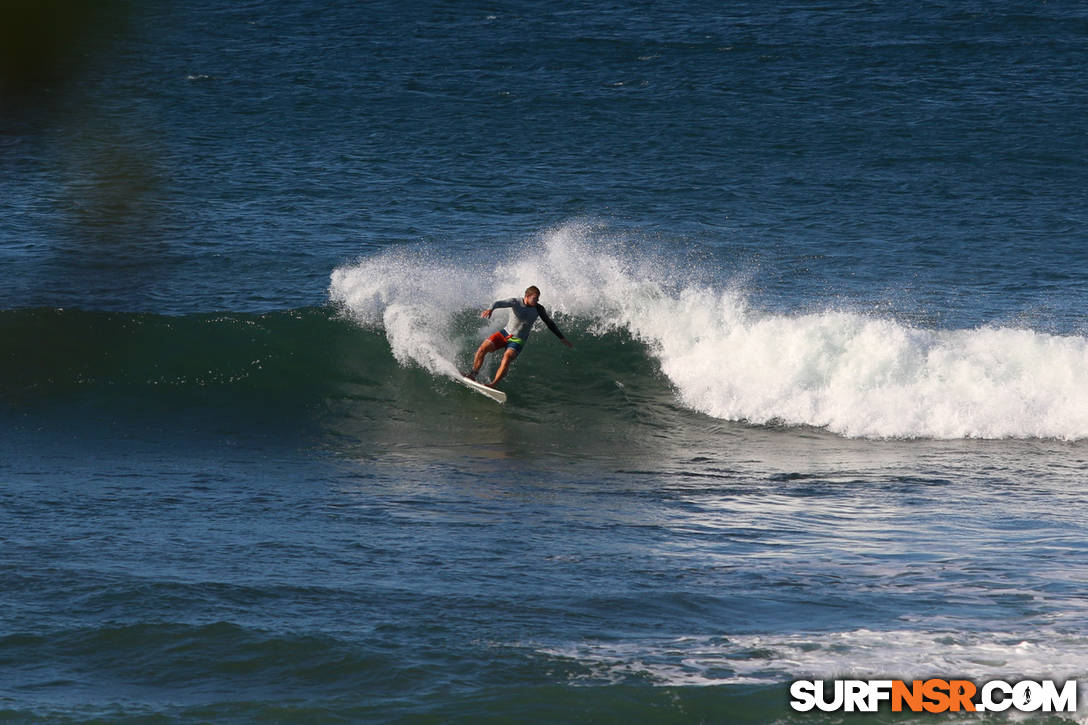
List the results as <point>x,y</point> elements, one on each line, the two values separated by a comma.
<point>471,374</point>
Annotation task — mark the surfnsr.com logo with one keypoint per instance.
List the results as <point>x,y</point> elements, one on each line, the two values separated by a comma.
<point>933,695</point>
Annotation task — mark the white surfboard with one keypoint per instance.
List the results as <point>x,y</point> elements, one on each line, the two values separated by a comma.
<point>496,395</point>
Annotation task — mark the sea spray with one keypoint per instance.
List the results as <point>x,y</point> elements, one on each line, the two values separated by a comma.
<point>415,299</point>
<point>852,373</point>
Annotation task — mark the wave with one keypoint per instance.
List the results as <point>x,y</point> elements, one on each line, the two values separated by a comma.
<point>852,373</point>
<point>54,351</point>
<point>654,337</point>
<point>311,357</point>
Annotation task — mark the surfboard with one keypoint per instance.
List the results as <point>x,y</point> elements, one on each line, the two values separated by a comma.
<point>496,395</point>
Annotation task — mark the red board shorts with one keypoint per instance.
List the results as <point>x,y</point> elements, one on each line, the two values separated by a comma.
<point>503,339</point>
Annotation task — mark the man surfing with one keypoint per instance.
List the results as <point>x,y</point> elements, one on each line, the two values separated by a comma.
<point>523,313</point>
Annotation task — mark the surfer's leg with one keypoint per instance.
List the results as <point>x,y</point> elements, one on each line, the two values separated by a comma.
<point>507,358</point>
<point>485,347</point>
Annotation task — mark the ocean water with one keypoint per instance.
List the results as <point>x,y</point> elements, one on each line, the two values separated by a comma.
<point>825,270</point>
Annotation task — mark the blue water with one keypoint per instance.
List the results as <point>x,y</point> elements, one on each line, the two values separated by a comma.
<point>824,268</point>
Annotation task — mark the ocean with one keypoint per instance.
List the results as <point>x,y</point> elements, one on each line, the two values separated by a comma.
<point>824,267</point>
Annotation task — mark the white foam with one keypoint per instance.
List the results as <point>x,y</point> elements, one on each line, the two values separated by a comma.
<point>414,299</point>
<point>857,654</point>
<point>855,374</point>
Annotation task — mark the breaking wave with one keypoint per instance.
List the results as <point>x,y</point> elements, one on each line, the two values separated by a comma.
<point>852,373</point>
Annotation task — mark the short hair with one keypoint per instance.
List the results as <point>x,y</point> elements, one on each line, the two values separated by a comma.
<point>532,291</point>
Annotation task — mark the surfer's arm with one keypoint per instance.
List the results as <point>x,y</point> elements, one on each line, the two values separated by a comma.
<point>499,303</point>
<point>552,326</point>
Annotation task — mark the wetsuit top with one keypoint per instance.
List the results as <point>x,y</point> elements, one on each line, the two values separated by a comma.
<point>522,318</point>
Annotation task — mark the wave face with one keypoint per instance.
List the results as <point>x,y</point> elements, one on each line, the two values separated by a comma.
<point>855,374</point>
<point>273,355</point>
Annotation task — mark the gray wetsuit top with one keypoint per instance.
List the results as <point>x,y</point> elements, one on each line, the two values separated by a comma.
<point>522,318</point>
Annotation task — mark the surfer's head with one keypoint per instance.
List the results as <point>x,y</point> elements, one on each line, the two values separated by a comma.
<point>532,294</point>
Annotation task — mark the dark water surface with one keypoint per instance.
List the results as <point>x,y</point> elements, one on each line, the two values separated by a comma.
<point>824,268</point>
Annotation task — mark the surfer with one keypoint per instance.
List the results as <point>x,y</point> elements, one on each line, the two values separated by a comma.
<point>512,338</point>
